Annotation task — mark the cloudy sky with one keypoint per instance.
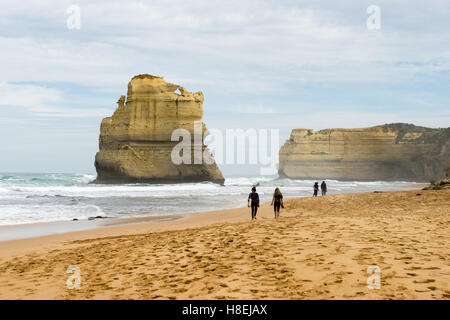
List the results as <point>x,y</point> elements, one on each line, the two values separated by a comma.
<point>260,64</point>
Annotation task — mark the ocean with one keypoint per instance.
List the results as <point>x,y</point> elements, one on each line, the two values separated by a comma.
<point>32,198</point>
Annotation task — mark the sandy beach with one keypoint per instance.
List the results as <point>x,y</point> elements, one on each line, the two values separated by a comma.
<point>320,248</point>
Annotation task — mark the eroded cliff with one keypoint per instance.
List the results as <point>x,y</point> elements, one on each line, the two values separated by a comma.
<point>441,184</point>
<point>135,143</point>
<point>401,152</point>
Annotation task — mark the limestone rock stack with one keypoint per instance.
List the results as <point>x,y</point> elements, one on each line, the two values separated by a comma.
<point>135,143</point>
<point>394,152</point>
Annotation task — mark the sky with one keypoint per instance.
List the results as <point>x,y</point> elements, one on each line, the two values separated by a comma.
<point>260,64</point>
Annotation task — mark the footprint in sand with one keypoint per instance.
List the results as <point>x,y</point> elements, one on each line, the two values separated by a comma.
<point>424,281</point>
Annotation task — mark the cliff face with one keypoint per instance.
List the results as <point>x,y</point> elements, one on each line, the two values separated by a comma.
<point>135,143</point>
<point>391,152</point>
<point>442,184</point>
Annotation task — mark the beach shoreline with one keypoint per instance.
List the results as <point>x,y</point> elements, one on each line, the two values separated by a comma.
<point>40,229</point>
<point>119,226</point>
<point>105,219</point>
<point>320,248</point>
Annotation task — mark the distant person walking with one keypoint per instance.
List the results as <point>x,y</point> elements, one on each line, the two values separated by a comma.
<point>277,202</point>
<point>323,187</point>
<point>316,189</point>
<point>253,202</point>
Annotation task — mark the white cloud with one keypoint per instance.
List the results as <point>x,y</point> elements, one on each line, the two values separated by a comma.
<point>293,63</point>
<point>36,99</point>
<point>325,120</point>
<point>42,101</point>
<point>222,42</point>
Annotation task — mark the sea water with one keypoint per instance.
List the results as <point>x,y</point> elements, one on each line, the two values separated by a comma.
<point>32,198</point>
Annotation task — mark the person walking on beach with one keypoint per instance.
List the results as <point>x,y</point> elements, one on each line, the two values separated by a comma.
<point>254,197</point>
<point>323,187</point>
<point>277,202</point>
<point>316,189</point>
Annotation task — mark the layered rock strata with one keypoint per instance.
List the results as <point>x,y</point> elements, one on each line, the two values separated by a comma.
<point>136,141</point>
<point>393,152</point>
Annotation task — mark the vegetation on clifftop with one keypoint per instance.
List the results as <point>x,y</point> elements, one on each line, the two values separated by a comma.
<point>427,135</point>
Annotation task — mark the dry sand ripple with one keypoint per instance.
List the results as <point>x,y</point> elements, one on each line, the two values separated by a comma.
<point>319,249</point>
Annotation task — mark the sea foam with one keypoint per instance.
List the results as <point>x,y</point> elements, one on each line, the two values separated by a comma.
<point>31,198</point>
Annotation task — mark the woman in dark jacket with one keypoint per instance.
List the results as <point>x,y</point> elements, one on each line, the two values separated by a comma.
<point>277,202</point>
<point>316,189</point>
<point>254,197</point>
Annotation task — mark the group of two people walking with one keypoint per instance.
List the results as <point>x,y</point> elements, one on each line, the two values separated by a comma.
<point>277,202</point>
<point>277,199</point>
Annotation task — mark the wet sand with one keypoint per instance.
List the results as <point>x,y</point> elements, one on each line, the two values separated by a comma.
<point>320,248</point>
<point>33,230</point>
